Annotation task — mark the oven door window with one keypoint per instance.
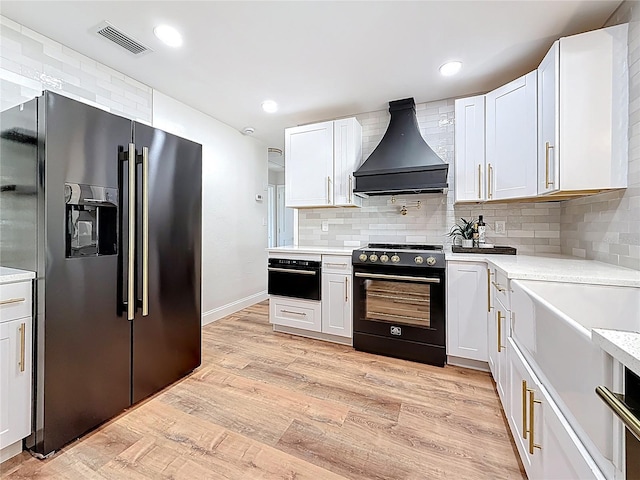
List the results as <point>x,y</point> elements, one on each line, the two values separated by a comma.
<point>398,302</point>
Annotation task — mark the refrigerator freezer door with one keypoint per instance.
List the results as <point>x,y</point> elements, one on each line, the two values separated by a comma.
<point>166,342</point>
<point>83,340</point>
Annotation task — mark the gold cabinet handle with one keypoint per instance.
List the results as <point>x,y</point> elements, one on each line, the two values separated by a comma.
<point>490,181</point>
<point>350,188</point>
<point>9,301</point>
<point>532,402</point>
<point>547,147</point>
<point>489,307</point>
<point>328,190</point>
<point>498,286</point>
<point>22,346</point>
<point>346,289</point>
<point>500,318</point>
<point>479,181</point>
<point>524,409</point>
<point>294,313</point>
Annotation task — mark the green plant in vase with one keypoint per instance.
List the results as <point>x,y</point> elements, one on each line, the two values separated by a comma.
<point>464,231</point>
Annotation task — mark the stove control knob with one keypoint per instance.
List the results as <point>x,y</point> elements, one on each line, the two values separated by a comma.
<point>373,257</point>
<point>419,260</point>
<point>395,259</point>
<point>431,261</point>
<point>363,257</point>
<point>384,258</point>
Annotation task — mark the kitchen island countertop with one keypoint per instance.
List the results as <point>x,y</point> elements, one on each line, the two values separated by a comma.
<point>556,268</point>
<point>622,345</point>
<point>11,275</point>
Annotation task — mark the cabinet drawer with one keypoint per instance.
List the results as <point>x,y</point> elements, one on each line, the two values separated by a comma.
<point>291,312</point>
<point>500,284</point>
<point>15,301</point>
<point>336,264</point>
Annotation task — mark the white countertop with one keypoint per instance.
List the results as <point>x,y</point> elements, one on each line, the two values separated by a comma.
<point>621,345</point>
<point>11,275</point>
<point>556,268</point>
<point>312,249</point>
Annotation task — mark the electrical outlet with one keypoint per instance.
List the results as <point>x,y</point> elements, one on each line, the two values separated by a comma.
<point>325,225</point>
<point>500,228</point>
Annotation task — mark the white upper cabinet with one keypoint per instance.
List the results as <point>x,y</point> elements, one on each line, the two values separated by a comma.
<point>319,163</point>
<point>583,114</point>
<point>309,165</point>
<point>511,137</point>
<point>469,149</point>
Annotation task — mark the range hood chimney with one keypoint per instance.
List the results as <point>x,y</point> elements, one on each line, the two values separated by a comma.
<point>402,162</point>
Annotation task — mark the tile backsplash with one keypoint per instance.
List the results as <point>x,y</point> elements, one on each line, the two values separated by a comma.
<point>30,63</point>
<point>533,228</point>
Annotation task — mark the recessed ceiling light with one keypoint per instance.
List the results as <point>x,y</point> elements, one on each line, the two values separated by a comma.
<point>450,68</point>
<point>269,106</point>
<point>248,131</point>
<point>168,35</point>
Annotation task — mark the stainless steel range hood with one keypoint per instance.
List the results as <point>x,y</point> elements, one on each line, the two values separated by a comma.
<point>402,162</point>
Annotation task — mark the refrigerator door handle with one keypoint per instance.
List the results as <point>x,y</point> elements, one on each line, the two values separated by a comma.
<point>145,231</point>
<point>131,263</point>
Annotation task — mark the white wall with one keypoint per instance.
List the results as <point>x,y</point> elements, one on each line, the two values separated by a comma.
<point>234,170</point>
<point>234,237</point>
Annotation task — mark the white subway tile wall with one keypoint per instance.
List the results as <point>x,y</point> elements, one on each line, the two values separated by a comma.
<point>30,63</point>
<point>606,227</point>
<point>533,228</point>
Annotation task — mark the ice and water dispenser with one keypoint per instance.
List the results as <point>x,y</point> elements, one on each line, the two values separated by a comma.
<point>91,220</point>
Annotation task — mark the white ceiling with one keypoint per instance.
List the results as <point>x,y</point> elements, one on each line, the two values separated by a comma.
<point>318,60</point>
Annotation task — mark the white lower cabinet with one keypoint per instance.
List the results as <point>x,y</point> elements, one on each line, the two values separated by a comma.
<point>467,297</point>
<point>548,446</point>
<point>498,331</point>
<point>336,304</point>
<point>296,313</point>
<point>331,317</point>
<point>15,367</point>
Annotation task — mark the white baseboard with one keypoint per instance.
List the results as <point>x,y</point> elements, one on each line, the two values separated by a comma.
<point>468,363</point>
<point>233,307</point>
<point>10,451</point>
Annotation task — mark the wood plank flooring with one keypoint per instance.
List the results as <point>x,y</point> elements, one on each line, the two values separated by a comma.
<point>267,405</point>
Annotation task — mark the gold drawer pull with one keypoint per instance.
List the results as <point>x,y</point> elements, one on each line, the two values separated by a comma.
<point>9,301</point>
<point>532,402</point>
<point>524,409</point>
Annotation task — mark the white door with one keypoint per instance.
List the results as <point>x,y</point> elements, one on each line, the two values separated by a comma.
<point>285,219</point>
<point>467,310</point>
<point>309,165</point>
<point>272,218</point>
<point>470,172</point>
<point>511,139</point>
<point>336,304</point>
<point>548,93</point>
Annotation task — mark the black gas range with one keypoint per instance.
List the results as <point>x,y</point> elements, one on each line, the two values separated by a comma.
<point>399,301</point>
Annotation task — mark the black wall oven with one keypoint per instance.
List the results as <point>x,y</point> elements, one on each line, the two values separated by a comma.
<point>295,278</point>
<point>399,307</point>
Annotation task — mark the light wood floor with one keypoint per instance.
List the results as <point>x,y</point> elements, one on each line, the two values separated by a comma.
<point>272,406</point>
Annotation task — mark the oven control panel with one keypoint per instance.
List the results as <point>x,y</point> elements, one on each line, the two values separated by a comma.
<point>404,258</point>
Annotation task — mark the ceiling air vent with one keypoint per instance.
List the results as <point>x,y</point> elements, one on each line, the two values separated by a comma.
<point>108,31</point>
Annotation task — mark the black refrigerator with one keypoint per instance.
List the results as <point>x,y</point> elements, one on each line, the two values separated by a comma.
<point>107,211</point>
